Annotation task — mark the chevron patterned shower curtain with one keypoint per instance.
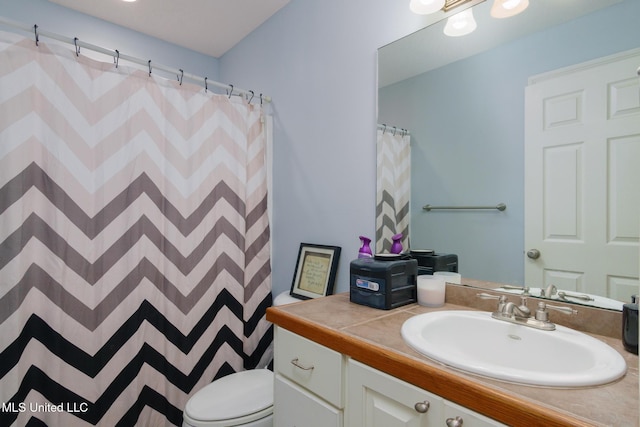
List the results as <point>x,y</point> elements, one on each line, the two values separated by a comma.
<point>393,188</point>
<point>134,240</point>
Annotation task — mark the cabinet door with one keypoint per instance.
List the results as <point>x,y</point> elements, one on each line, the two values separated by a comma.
<point>375,399</point>
<point>296,407</point>
<point>468,417</point>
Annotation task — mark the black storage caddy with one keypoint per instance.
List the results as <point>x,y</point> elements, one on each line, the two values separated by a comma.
<point>429,262</point>
<point>383,284</point>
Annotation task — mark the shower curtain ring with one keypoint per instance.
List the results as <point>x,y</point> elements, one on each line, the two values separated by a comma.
<point>252,95</point>
<point>181,76</point>
<point>260,99</point>
<point>116,59</point>
<point>75,42</point>
<point>149,64</point>
<point>394,130</point>
<point>205,85</point>
<point>385,129</point>
<point>230,92</point>
<point>35,31</point>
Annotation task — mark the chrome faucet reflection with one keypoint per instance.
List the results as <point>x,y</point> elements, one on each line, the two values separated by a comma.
<point>549,291</point>
<point>509,311</point>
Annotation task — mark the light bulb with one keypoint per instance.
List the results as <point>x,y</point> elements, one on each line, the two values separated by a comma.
<point>511,4</point>
<point>425,7</point>
<point>508,8</point>
<point>460,24</point>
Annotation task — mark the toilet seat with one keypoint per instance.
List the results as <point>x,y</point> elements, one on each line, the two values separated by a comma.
<point>284,298</point>
<point>232,400</point>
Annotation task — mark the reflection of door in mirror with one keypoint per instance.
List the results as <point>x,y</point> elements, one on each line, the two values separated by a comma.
<point>582,148</point>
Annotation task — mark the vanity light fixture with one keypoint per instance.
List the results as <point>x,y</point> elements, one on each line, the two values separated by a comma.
<point>508,8</point>
<point>460,24</point>
<point>425,7</point>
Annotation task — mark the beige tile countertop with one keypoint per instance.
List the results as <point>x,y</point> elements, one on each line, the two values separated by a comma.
<point>372,336</point>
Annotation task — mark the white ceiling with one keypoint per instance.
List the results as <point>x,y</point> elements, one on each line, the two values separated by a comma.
<point>211,27</point>
<point>429,48</point>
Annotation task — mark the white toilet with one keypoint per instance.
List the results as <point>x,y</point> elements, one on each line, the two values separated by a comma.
<point>240,399</point>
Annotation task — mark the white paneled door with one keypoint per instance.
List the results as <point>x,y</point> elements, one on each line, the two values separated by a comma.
<point>582,177</point>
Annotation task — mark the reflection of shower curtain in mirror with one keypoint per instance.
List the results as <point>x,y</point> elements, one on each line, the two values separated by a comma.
<point>393,188</point>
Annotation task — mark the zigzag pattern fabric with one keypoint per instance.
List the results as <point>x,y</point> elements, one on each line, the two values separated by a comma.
<point>134,240</point>
<point>393,189</point>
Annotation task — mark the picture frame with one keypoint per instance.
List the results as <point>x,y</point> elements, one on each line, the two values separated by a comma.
<point>315,272</point>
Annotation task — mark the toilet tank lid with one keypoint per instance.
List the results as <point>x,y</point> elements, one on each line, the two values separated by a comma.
<point>233,396</point>
<point>284,298</point>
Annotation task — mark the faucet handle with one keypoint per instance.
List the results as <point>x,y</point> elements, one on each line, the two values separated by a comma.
<point>542,313</point>
<point>566,310</point>
<point>502,299</point>
<point>483,295</point>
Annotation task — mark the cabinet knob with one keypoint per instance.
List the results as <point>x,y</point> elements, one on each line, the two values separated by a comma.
<point>422,407</point>
<point>454,422</point>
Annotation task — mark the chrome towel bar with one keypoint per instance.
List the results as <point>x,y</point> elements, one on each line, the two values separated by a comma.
<point>499,206</point>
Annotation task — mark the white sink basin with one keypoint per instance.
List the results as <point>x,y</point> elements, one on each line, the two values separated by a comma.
<point>473,341</point>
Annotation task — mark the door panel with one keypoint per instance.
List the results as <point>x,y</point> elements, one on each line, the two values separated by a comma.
<point>582,177</point>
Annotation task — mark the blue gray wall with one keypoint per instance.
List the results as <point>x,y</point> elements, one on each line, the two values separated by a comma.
<point>317,59</point>
<point>467,126</point>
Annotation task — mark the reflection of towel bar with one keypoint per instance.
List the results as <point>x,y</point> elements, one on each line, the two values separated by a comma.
<point>499,206</point>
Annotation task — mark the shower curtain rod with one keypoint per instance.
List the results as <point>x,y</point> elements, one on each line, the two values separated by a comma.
<point>385,128</point>
<point>180,74</point>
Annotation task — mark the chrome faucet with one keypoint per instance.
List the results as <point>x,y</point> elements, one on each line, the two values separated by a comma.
<point>512,310</point>
<point>521,314</point>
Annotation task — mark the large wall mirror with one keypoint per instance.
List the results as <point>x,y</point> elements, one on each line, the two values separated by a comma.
<point>462,101</point>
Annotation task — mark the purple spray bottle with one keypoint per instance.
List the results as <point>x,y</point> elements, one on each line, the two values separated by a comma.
<point>365,250</point>
<point>396,247</point>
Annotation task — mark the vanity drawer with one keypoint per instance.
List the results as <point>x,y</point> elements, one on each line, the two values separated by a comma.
<point>310,365</point>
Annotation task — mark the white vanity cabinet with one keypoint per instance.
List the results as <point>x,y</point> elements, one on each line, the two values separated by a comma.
<point>309,382</point>
<point>375,399</point>
<point>319,387</point>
